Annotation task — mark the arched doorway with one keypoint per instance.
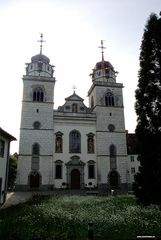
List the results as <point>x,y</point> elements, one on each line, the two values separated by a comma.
<point>113,179</point>
<point>75,179</point>
<point>34,180</point>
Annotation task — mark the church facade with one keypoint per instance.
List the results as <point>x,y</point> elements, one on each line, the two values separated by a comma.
<point>74,146</point>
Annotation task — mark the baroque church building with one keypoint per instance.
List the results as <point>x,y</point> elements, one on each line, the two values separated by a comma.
<point>74,146</point>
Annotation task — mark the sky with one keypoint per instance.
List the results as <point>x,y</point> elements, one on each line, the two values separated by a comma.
<point>72,30</point>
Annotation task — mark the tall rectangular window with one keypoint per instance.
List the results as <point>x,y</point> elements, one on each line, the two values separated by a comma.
<point>74,142</point>
<point>58,171</point>
<point>132,158</point>
<point>113,163</point>
<point>91,171</point>
<point>132,170</point>
<point>2,146</point>
<point>35,163</point>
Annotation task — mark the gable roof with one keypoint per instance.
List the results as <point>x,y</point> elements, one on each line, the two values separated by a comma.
<point>6,135</point>
<point>74,97</point>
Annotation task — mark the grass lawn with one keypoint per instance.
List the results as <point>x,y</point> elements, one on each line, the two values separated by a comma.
<point>67,217</point>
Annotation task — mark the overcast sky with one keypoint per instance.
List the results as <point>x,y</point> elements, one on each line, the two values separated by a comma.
<point>73,30</point>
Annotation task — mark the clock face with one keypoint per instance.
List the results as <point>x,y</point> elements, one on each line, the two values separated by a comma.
<point>98,73</point>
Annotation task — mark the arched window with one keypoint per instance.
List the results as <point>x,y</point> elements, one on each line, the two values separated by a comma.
<point>113,157</point>
<point>74,107</point>
<point>39,66</point>
<point>90,143</point>
<point>91,169</point>
<point>38,95</point>
<point>112,151</point>
<point>35,156</point>
<point>92,102</point>
<point>58,142</point>
<point>35,149</point>
<point>58,169</point>
<point>109,99</point>
<point>74,142</point>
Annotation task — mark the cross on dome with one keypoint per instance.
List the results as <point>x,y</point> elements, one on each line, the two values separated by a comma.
<point>74,88</point>
<point>41,41</point>
<point>102,47</point>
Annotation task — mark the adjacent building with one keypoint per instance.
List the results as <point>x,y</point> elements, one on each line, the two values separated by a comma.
<point>5,139</point>
<point>132,151</point>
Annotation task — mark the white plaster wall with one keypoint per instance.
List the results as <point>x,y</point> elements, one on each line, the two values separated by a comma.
<point>104,169</point>
<point>99,92</point>
<point>24,169</point>
<point>105,139</point>
<point>110,115</point>
<point>84,127</point>
<point>42,137</point>
<point>28,86</point>
<point>30,115</point>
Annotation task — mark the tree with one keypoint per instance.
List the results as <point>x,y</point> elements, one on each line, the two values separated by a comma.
<point>148,109</point>
<point>12,171</point>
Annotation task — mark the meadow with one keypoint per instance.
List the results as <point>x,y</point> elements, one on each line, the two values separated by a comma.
<point>67,217</point>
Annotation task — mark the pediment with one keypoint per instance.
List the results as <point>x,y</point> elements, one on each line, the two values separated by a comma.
<point>74,97</point>
<point>75,161</point>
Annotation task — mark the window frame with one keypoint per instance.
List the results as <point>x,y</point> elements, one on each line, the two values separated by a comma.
<point>74,107</point>
<point>91,170</point>
<point>38,94</point>
<point>133,170</point>
<point>113,159</point>
<point>2,148</point>
<point>35,160</point>
<point>109,99</point>
<point>35,149</point>
<point>58,169</point>
<point>74,139</point>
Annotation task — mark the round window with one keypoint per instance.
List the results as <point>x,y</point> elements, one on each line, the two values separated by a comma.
<point>36,125</point>
<point>111,127</point>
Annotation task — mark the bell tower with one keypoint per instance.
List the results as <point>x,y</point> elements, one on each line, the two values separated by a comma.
<point>36,131</point>
<point>106,100</point>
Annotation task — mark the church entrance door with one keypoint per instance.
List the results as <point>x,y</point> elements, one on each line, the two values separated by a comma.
<point>114,179</point>
<point>34,180</point>
<point>75,179</point>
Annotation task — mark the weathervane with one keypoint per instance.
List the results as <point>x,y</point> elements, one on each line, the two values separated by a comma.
<point>41,41</point>
<point>102,47</point>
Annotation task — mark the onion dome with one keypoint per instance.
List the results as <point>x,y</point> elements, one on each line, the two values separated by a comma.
<point>103,70</point>
<point>103,65</point>
<point>40,58</point>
